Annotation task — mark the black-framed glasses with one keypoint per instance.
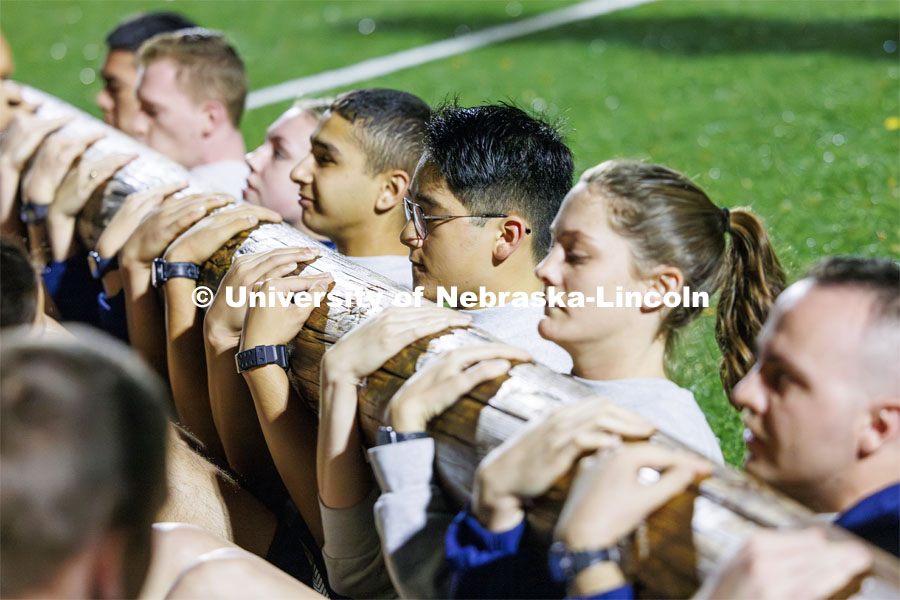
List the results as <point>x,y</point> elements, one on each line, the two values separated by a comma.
<point>419,218</point>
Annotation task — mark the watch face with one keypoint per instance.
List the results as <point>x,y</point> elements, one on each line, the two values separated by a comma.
<point>158,272</point>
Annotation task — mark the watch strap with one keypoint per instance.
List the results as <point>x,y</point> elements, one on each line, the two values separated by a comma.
<point>387,435</point>
<point>566,564</point>
<point>100,266</point>
<point>30,213</point>
<point>261,356</point>
<point>163,271</point>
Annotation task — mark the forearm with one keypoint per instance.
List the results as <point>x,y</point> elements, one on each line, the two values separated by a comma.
<point>143,314</point>
<point>186,364</point>
<point>38,244</point>
<point>344,477</point>
<point>61,233</point>
<point>9,185</point>
<point>290,433</point>
<point>234,413</point>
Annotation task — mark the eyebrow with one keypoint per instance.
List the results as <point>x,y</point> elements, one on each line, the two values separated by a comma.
<point>318,143</point>
<point>426,200</point>
<point>773,356</point>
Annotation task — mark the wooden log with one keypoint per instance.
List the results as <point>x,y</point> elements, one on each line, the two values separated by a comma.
<point>673,551</point>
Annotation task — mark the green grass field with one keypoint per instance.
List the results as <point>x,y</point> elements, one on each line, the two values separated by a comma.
<point>789,107</point>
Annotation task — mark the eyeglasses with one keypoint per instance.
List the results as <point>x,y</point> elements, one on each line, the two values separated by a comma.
<point>419,218</point>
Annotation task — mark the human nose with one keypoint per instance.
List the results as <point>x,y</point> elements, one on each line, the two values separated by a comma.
<point>750,393</point>
<point>409,237</point>
<point>302,171</point>
<point>104,100</point>
<point>548,269</point>
<point>254,159</point>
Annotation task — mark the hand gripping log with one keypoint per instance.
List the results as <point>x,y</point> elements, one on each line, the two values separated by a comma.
<point>671,553</point>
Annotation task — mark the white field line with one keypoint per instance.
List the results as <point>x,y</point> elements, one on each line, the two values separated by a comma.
<point>376,67</point>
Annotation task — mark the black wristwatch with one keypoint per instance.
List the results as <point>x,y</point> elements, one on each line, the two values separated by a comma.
<point>163,271</point>
<point>101,266</point>
<point>261,356</point>
<point>31,213</point>
<point>387,435</point>
<point>566,563</point>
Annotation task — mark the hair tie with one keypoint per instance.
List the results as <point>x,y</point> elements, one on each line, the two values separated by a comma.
<point>726,215</point>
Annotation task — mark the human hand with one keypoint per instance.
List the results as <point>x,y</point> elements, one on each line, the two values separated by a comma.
<point>367,347</point>
<point>444,380</point>
<point>83,180</point>
<point>782,563</point>
<point>278,323</point>
<point>51,163</point>
<point>608,501</point>
<point>156,232</point>
<point>528,464</point>
<point>202,240</point>
<point>135,207</point>
<point>222,324</point>
<point>23,136</point>
<point>11,103</point>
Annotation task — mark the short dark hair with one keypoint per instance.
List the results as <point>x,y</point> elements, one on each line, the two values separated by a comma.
<point>134,31</point>
<point>388,124</point>
<point>18,284</point>
<point>83,427</point>
<point>498,159</point>
<point>880,276</point>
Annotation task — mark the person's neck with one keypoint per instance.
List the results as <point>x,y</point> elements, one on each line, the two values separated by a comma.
<point>221,145</point>
<point>376,237</point>
<point>619,357</point>
<point>845,490</point>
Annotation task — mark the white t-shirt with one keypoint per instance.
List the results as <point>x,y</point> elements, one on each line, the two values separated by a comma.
<point>672,409</point>
<point>517,326</point>
<point>226,176</point>
<point>395,267</point>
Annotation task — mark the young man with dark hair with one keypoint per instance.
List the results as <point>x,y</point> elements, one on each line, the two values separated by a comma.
<point>117,99</point>
<point>364,153</point>
<point>191,88</point>
<point>479,210</point>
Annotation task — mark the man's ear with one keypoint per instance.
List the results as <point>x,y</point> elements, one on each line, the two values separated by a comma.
<point>511,233</point>
<point>883,426</point>
<point>663,279</point>
<point>214,115</point>
<point>395,183</point>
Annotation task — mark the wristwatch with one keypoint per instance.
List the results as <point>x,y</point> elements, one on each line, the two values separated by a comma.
<point>261,356</point>
<point>101,266</point>
<point>387,435</point>
<point>30,213</point>
<point>566,563</point>
<point>163,271</point>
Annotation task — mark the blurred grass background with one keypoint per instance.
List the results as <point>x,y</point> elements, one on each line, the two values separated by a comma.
<point>789,107</point>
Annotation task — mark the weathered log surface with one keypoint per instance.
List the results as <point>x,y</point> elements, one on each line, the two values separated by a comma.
<point>673,551</point>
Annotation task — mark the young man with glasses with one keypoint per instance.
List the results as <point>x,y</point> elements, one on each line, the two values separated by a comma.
<point>479,210</point>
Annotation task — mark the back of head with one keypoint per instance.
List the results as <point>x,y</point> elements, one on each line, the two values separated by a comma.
<point>498,159</point>
<point>669,220</point>
<point>878,278</point>
<point>18,285</point>
<point>389,126</point>
<point>134,31</point>
<point>82,454</point>
<point>208,67</point>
